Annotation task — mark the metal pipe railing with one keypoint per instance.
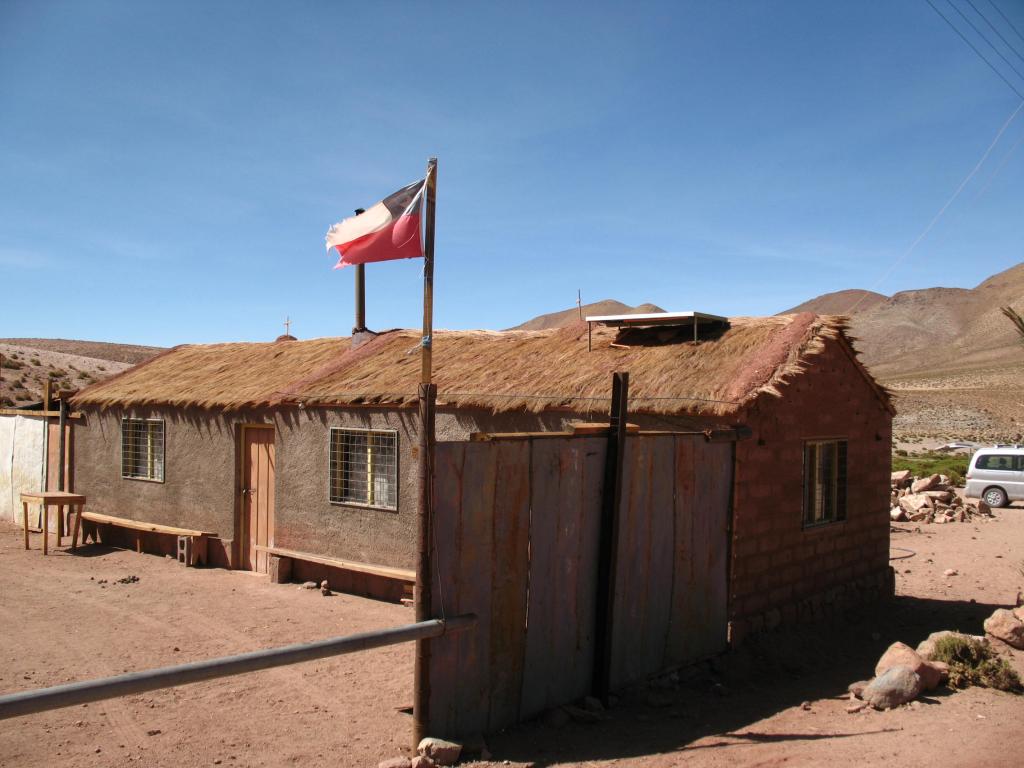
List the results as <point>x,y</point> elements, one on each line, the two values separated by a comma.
<point>43,699</point>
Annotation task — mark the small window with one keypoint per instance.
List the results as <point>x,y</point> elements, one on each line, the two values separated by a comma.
<point>142,449</point>
<point>364,467</point>
<point>998,461</point>
<point>824,481</point>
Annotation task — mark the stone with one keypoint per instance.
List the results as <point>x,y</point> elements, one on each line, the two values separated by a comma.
<point>916,502</point>
<point>395,762</point>
<point>951,572</point>
<point>897,515</point>
<point>901,478</point>
<point>926,648</point>
<point>983,508</point>
<point>857,689</point>
<point>943,669</point>
<point>897,686</point>
<point>440,751</point>
<point>556,718</point>
<point>924,484</point>
<point>309,585</point>
<point>592,704</point>
<point>1019,612</point>
<point>421,761</point>
<point>902,655</point>
<point>944,496</point>
<point>1003,624</point>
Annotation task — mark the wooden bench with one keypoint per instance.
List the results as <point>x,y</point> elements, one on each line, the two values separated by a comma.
<point>191,543</point>
<point>280,572</point>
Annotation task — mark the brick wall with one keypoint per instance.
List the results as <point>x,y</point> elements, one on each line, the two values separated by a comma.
<point>780,569</point>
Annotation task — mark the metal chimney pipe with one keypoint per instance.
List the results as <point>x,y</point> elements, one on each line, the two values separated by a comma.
<point>360,325</point>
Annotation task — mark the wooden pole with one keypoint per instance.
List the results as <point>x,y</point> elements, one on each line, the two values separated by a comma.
<point>62,443</point>
<point>428,274</point>
<point>425,520</point>
<point>424,560</point>
<point>360,299</point>
<point>608,545</point>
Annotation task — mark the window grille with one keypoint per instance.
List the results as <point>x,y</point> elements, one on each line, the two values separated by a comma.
<point>142,449</point>
<point>364,467</point>
<point>824,481</point>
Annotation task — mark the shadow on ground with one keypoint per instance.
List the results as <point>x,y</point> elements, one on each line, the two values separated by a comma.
<point>728,695</point>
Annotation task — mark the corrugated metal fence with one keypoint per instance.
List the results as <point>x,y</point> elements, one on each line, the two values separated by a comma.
<point>517,525</point>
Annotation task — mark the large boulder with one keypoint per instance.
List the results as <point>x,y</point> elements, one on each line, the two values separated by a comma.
<point>897,686</point>
<point>925,484</point>
<point>440,751</point>
<point>902,478</point>
<point>916,502</point>
<point>902,655</point>
<point>1004,625</point>
<point>944,496</point>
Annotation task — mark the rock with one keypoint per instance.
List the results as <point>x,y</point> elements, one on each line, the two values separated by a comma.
<point>1019,611</point>
<point>926,648</point>
<point>902,478</point>
<point>556,718</point>
<point>581,715</point>
<point>395,762</point>
<point>857,689</point>
<point>983,508</point>
<point>924,484</point>
<point>421,761</point>
<point>920,517</point>
<point>592,703</point>
<point>950,572</point>
<point>897,686</point>
<point>944,479</point>
<point>1004,625</point>
<point>916,502</point>
<point>897,515</point>
<point>325,588</point>
<point>902,655</point>
<point>440,751</point>
<point>944,496</point>
<point>309,585</point>
<point>943,669</point>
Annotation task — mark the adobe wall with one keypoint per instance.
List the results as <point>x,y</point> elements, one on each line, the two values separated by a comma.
<point>782,571</point>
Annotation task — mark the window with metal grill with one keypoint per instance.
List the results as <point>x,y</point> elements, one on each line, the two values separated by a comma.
<point>364,467</point>
<point>142,449</point>
<point>824,481</point>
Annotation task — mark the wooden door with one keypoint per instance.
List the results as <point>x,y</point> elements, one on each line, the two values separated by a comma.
<point>257,497</point>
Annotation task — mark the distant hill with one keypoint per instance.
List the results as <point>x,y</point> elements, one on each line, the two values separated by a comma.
<point>840,302</point>
<point>68,364</point>
<point>932,330</point>
<point>570,316</point>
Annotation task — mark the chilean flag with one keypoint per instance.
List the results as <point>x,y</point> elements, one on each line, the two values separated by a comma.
<point>388,230</point>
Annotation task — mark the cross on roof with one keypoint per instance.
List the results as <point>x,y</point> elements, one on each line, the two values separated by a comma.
<point>287,326</point>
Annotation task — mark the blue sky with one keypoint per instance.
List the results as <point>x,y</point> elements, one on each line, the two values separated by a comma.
<point>169,170</point>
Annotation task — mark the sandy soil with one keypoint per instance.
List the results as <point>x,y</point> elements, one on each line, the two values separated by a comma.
<point>780,701</point>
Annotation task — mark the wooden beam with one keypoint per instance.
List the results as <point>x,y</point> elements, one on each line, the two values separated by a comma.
<point>399,574</point>
<point>136,525</point>
<point>608,544</point>
<point>41,414</point>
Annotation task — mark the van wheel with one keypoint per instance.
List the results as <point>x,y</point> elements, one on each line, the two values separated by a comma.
<point>995,497</point>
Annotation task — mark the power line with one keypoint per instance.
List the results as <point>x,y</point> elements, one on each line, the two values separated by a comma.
<point>980,34</point>
<point>973,48</point>
<point>992,3</point>
<point>942,210</point>
<point>994,29</point>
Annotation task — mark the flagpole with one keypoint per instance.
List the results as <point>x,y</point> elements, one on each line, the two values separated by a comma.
<point>425,521</point>
<point>428,274</point>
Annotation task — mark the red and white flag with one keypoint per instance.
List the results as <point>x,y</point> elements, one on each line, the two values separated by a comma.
<point>388,230</point>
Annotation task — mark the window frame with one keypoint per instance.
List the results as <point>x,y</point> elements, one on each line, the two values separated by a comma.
<point>331,454</point>
<point>162,464</point>
<point>839,482</point>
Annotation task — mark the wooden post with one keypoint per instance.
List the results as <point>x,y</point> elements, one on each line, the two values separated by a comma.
<point>46,396</point>
<point>608,546</point>
<point>24,513</point>
<point>424,559</point>
<point>360,325</point>
<point>62,443</point>
<point>428,275</point>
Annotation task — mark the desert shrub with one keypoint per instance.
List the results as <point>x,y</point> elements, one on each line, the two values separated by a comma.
<point>57,373</point>
<point>34,361</point>
<point>11,364</point>
<point>101,367</point>
<point>6,401</point>
<point>971,662</point>
<point>933,463</point>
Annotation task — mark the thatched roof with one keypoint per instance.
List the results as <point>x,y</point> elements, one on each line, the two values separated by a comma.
<point>498,371</point>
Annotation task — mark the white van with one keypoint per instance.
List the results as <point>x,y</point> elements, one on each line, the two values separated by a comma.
<point>996,475</point>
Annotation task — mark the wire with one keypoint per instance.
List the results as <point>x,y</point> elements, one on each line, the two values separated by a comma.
<point>979,33</point>
<point>973,48</point>
<point>994,29</point>
<point>942,210</point>
<point>992,3</point>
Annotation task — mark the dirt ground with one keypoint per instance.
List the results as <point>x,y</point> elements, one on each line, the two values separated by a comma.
<point>779,701</point>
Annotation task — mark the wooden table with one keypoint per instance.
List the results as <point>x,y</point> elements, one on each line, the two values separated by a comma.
<point>60,499</point>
